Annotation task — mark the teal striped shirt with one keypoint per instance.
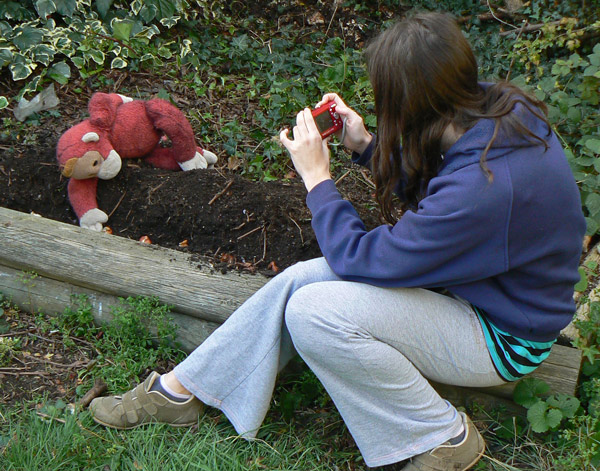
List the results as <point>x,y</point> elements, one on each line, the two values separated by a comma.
<point>513,357</point>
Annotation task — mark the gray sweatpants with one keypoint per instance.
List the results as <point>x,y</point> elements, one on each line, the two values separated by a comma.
<point>370,347</point>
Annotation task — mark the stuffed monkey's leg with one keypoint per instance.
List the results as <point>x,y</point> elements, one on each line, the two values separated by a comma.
<point>175,125</point>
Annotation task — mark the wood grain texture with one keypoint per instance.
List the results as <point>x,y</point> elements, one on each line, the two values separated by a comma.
<point>69,260</point>
<point>121,267</point>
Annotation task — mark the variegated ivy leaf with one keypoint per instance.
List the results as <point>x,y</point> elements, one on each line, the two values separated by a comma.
<point>27,36</point>
<point>3,102</point>
<point>118,63</point>
<point>96,55</point>
<point>43,54</point>
<point>45,8</point>
<point>148,32</point>
<point>66,7</point>
<point>169,22</point>
<point>20,71</point>
<point>103,6</point>
<point>30,87</point>
<point>164,52</point>
<point>79,62</point>
<point>136,6</point>
<point>186,48</point>
<point>6,56</point>
<point>147,57</point>
<point>121,29</point>
<point>60,72</point>
<point>148,13</point>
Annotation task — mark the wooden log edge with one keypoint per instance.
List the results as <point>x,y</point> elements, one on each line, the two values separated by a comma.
<point>70,260</point>
<point>121,267</point>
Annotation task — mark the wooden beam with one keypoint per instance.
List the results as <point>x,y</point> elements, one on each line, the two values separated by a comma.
<point>67,260</point>
<point>118,266</point>
<point>40,294</point>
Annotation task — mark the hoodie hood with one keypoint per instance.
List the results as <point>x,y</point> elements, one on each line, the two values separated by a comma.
<point>468,148</point>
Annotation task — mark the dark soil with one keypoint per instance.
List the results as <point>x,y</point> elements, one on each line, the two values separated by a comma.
<point>249,225</point>
<point>217,213</point>
<point>252,225</point>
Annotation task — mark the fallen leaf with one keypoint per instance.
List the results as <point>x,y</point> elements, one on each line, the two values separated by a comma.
<point>145,240</point>
<point>183,243</point>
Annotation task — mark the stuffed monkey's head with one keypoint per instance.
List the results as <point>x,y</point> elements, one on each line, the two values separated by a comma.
<point>84,152</point>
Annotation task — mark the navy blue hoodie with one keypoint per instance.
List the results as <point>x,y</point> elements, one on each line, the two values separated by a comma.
<point>511,246</point>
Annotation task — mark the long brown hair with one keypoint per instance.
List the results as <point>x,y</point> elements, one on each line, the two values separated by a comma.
<point>424,77</point>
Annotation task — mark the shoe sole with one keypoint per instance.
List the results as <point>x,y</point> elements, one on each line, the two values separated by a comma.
<point>481,453</point>
<point>98,421</point>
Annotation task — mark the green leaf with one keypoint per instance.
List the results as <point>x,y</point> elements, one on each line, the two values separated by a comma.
<point>574,114</point>
<point>118,63</point>
<point>66,7</point>
<point>162,93</point>
<point>45,8</point>
<point>122,29</point>
<point>592,203</point>
<point>3,102</point>
<point>103,6</point>
<point>97,56</point>
<point>542,418</point>
<point>593,145</point>
<point>136,6</point>
<point>60,72</point>
<point>527,392</point>
<point>568,405</point>
<point>27,37</point>
<point>582,284</point>
<point>164,8</point>
<point>79,62</point>
<point>148,13</point>
<point>593,225</point>
<point>595,460</point>
<point>5,57</point>
<point>20,71</point>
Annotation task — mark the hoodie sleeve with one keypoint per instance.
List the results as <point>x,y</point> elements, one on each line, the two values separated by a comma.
<point>458,234</point>
<point>364,159</point>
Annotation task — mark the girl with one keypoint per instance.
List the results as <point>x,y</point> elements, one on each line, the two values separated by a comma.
<point>470,287</point>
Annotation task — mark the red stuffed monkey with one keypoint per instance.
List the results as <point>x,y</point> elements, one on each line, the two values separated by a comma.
<point>121,128</point>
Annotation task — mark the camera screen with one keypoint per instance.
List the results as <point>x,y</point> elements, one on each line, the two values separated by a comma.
<point>324,121</point>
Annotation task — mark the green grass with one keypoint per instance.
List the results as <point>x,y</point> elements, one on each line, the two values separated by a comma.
<point>74,442</point>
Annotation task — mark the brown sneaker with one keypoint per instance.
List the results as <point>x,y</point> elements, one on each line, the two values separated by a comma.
<point>446,457</point>
<point>141,406</point>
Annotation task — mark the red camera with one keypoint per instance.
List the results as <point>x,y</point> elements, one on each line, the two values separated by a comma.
<point>327,119</point>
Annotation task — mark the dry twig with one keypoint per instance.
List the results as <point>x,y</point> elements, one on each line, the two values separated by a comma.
<point>221,193</point>
<point>98,389</point>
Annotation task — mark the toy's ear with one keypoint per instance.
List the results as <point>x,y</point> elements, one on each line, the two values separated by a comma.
<point>103,109</point>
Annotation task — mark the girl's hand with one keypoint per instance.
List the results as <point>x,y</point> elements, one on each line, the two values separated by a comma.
<point>308,151</point>
<point>357,137</point>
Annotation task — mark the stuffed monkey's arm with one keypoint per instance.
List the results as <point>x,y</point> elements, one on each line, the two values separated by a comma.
<point>82,195</point>
<point>93,219</point>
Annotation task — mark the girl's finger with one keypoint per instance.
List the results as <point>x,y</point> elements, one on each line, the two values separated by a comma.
<point>309,121</point>
<point>328,97</point>
<point>284,139</point>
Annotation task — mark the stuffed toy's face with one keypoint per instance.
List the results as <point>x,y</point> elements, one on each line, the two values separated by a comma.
<point>83,153</point>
